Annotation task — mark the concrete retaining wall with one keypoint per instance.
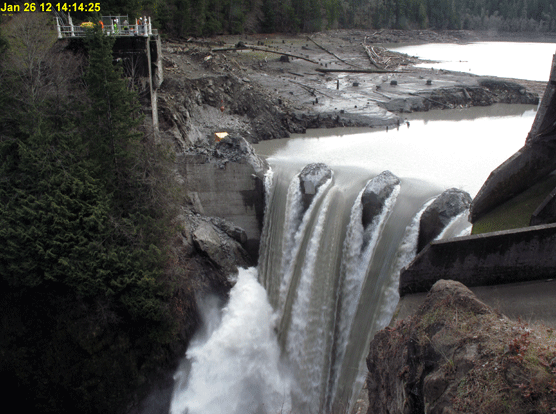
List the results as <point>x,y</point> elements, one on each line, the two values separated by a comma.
<point>484,259</point>
<point>232,191</point>
<point>528,165</point>
<point>546,212</point>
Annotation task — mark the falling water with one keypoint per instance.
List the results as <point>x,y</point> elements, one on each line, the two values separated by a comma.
<point>318,278</point>
<point>234,367</point>
<point>298,340</point>
<point>359,247</point>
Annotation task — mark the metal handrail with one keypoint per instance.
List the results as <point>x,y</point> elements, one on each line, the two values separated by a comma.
<point>144,30</point>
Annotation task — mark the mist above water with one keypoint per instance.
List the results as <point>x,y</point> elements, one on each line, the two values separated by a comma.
<point>234,366</point>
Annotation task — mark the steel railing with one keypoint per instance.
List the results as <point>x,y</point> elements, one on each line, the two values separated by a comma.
<point>114,29</point>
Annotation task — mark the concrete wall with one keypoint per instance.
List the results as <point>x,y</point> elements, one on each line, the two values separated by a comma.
<point>523,169</point>
<point>527,166</point>
<point>546,212</point>
<point>485,259</point>
<point>231,191</point>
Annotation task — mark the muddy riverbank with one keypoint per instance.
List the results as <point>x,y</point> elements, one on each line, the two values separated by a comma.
<point>268,86</point>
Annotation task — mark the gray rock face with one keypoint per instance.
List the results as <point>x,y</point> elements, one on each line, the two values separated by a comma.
<point>375,194</point>
<point>438,215</point>
<point>216,239</point>
<point>234,148</point>
<point>311,178</point>
<point>408,374</point>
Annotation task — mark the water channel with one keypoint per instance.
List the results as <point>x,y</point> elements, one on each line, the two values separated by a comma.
<point>295,332</point>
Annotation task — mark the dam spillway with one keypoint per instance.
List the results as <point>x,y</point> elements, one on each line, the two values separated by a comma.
<point>322,323</point>
<point>328,276</point>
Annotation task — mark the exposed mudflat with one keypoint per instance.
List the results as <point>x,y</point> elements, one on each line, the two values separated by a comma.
<point>245,84</point>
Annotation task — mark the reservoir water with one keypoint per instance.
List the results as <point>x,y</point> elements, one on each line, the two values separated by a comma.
<point>295,332</point>
<point>530,61</point>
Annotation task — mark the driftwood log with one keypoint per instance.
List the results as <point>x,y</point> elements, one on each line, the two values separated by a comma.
<point>356,70</point>
<point>372,56</point>
<point>331,53</point>
<point>263,49</point>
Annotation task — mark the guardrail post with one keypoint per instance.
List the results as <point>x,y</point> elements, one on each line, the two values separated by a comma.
<point>58,29</point>
<point>71,26</point>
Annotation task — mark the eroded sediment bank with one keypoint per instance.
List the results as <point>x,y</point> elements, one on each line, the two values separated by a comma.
<point>222,84</point>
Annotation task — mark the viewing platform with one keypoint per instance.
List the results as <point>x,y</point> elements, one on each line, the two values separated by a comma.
<point>137,47</point>
<point>118,26</point>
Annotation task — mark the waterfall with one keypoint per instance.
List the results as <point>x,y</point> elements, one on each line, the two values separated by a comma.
<point>327,284</point>
<point>294,234</point>
<point>295,333</point>
<point>306,343</point>
<point>234,366</point>
<point>358,250</point>
<point>332,280</point>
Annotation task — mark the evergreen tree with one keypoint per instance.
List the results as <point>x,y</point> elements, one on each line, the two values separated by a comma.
<point>112,117</point>
<point>81,263</point>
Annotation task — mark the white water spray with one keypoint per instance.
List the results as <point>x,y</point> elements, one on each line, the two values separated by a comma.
<point>236,368</point>
<point>457,227</point>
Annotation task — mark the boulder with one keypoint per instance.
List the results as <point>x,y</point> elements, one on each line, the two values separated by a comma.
<point>234,148</point>
<point>221,249</point>
<point>438,215</point>
<point>375,194</point>
<point>235,232</point>
<point>311,178</point>
<point>456,354</point>
<point>417,366</point>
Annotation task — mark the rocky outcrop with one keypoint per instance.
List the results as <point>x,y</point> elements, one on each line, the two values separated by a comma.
<point>311,178</point>
<point>226,181</point>
<point>440,213</point>
<point>502,91</point>
<point>375,194</point>
<point>216,239</point>
<point>528,165</point>
<point>456,355</point>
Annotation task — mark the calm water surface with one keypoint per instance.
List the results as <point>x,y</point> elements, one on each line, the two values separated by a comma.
<point>455,148</point>
<point>531,61</point>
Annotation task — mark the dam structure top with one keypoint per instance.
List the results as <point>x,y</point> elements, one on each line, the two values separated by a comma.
<point>118,26</point>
